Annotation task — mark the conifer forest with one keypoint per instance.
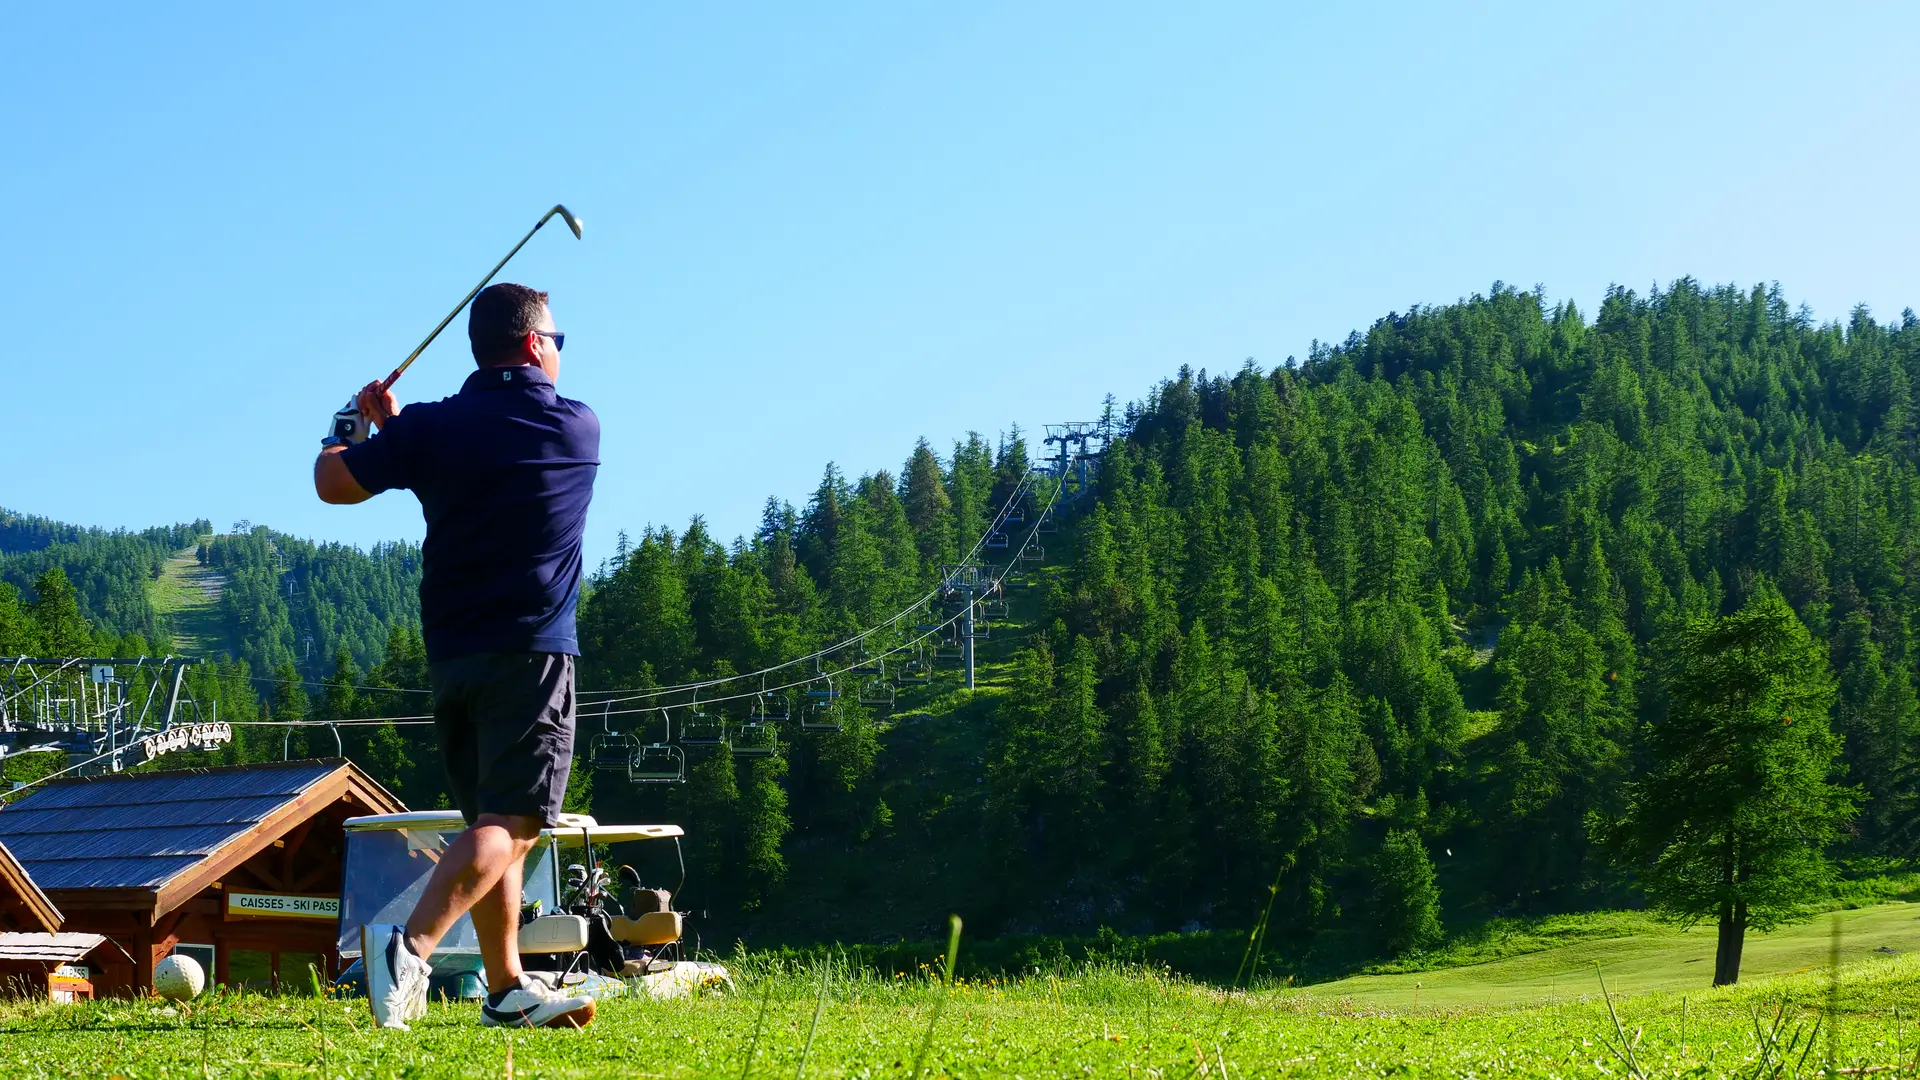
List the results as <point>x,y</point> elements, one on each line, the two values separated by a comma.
<point>1500,607</point>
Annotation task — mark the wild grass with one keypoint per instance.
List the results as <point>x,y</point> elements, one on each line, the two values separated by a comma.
<point>1101,1020</point>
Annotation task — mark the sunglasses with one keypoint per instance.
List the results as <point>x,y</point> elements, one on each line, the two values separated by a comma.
<point>559,338</point>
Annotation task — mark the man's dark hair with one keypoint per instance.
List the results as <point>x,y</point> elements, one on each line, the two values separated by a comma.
<point>500,319</point>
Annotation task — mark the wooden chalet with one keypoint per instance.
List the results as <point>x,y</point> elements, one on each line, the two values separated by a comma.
<point>240,857</point>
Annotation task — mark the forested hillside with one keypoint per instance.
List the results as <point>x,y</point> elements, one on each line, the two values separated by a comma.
<point>110,570</point>
<point>294,602</point>
<point>1388,629</point>
<point>285,601</point>
<point>1390,617</point>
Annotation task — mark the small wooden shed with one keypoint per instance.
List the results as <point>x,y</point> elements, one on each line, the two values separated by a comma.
<point>239,857</point>
<point>35,958</point>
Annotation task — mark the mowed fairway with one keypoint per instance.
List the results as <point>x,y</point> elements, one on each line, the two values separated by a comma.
<point>1098,1023</point>
<point>1656,959</point>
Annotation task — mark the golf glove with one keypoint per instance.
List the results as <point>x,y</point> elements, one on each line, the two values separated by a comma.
<point>348,426</point>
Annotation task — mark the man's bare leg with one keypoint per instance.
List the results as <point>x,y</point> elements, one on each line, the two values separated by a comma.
<point>472,876</point>
<point>496,918</point>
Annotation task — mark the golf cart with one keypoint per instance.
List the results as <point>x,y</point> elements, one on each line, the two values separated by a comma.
<point>574,929</point>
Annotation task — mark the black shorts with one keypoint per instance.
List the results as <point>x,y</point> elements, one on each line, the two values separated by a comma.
<point>505,723</point>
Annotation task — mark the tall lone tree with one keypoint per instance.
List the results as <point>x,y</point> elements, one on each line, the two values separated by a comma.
<point>1732,814</point>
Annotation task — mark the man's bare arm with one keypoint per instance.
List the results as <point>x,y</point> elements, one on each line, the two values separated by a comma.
<point>334,482</point>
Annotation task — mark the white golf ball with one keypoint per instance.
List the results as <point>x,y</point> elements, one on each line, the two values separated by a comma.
<point>179,978</point>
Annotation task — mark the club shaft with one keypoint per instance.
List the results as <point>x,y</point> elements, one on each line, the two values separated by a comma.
<point>464,301</point>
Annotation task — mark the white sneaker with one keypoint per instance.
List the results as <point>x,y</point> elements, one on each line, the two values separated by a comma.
<point>534,1004</point>
<point>396,979</point>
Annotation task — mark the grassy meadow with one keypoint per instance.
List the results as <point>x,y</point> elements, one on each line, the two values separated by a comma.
<point>1539,1013</point>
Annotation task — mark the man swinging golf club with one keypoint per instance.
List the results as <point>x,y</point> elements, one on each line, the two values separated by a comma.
<point>504,470</point>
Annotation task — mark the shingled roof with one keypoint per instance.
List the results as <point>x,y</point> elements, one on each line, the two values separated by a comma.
<point>146,831</point>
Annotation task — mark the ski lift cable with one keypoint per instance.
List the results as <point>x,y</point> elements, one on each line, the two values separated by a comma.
<point>639,693</point>
<point>814,678</point>
<point>361,721</point>
<point>635,694</point>
<point>4,795</point>
<point>912,644</point>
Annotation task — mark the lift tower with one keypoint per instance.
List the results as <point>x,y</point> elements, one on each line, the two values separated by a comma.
<point>108,712</point>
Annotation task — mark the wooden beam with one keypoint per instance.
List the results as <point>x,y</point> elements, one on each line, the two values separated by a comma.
<point>130,899</point>
<point>296,838</point>
<point>306,882</point>
<point>17,886</point>
<point>143,961</point>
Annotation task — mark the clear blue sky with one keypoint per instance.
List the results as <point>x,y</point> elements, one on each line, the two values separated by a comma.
<point>815,232</point>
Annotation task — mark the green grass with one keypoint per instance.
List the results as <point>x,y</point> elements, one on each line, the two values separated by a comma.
<point>1101,1021</point>
<point>1640,955</point>
<point>187,596</point>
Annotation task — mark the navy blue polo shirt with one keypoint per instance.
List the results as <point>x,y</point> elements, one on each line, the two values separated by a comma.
<point>504,471</point>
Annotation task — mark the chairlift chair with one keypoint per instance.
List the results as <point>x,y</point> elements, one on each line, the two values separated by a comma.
<point>878,692</point>
<point>996,541</point>
<point>699,729</point>
<point>1032,553</point>
<point>659,763</point>
<point>754,740</point>
<point>611,753</point>
<point>917,670</point>
<point>829,692</point>
<point>769,710</point>
<point>822,715</point>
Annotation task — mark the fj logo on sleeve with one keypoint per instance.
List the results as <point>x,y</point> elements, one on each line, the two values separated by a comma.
<point>506,376</point>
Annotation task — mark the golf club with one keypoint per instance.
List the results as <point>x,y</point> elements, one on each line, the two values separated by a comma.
<point>572,223</point>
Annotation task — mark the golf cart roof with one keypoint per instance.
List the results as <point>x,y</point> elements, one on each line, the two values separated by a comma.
<point>573,828</point>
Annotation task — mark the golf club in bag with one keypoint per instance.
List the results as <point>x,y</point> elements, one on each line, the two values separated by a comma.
<point>348,421</point>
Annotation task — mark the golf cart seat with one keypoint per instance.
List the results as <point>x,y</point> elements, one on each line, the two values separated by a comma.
<point>652,928</point>
<point>554,934</point>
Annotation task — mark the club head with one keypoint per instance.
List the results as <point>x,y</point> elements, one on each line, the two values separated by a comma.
<point>567,216</point>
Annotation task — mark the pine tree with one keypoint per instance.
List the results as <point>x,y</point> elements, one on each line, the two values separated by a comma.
<point>1878,719</point>
<point>290,706</point>
<point>1406,905</point>
<point>764,825</point>
<point>1731,815</point>
<point>929,507</point>
<point>1075,752</point>
<point>59,628</point>
<point>16,626</point>
<point>1557,749</point>
<point>712,798</point>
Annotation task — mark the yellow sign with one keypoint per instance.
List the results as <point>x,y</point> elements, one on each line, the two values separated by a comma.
<point>283,905</point>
